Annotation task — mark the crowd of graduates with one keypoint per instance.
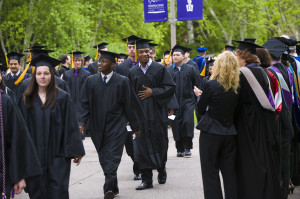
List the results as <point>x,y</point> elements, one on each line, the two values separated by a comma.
<point>246,99</point>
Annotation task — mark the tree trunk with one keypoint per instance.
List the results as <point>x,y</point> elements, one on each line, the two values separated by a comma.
<point>190,31</point>
<point>98,24</point>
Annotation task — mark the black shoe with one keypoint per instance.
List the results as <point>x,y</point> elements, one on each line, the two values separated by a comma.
<point>137,176</point>
<point>109,195</point>
<point>180,154</point>
<point>162,177</point>
<point>187,153</point>
<point>115,191</point>
<point>144,185</point>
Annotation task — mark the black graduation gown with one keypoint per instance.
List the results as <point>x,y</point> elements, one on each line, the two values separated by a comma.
<point>109,107</point>
<point>62,70</point>
<point>191,62</point>
<point>153,143</point>
<point>24,84</point>
<point>185,80</point>
<point>75,85</point>
<point>93,67</point>
<point>123,68</point>
<point>257,172</point>
<point>55,134</point>
<point>10,81</point>
<point>21,159</point>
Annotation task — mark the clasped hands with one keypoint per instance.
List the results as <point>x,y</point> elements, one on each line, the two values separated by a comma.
<point>145,93</point>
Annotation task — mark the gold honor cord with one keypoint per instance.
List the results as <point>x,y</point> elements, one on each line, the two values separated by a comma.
<point>168,59</point>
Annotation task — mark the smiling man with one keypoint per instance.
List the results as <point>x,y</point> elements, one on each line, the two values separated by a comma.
<point>155,88</point>
<point>108,99</point>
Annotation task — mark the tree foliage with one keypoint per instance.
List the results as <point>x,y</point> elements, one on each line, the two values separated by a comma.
<point>66,25</point>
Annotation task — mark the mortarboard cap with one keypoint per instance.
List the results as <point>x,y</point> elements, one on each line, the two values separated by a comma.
<point>142,43</point>
<point>101,46</point>
<point>246,45</point>
<point>252,40</point>
<point>36,52</point>
<point>152,45</point>
<point>229,48</point>
<point>210,62</point>
<point>87,58</point>
<point>131,39</point>
<point>109,55</point>
<point>122,56</point>
<point>201,49</point>
<point>14,55</point>
<point>210,56</point>
<point>158,60</point>
<point>178,48</point>
<point>76,53</point>
<point>288,42</point>
<point>298,48</point>
<point>275,47</point>
<point>45,60</point>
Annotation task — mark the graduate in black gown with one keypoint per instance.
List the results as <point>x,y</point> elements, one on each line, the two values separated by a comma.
<point>75,78</point>
<point>155,88</point>
<point>20,158</point>
<point>93,67</point>
<point>284,124</point>
<point>257,172</point>
<point>109,101</point>
<point>187,59</point>
<point>53,127</point>
<point>65,60</point>
<point>14,61</point>
<point>123,68</point>
<point>185,77</point>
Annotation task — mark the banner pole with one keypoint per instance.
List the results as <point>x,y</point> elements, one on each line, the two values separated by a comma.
<point>173,23</point>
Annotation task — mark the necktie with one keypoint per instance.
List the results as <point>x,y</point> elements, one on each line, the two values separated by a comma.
<point>76,72</point>
<point>104,80</point>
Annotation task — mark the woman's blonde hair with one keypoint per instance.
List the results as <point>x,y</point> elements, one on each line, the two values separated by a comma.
<point>226,71</point>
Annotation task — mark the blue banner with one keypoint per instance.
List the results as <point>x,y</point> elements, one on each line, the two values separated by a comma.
<point>189,10</point>
<point>155,10</point>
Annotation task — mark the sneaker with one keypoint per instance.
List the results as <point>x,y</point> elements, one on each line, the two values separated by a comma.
<point>187,153</point>
<point>180,154</point>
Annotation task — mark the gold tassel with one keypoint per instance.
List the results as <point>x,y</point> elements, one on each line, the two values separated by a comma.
<point>73,66</point>
<point>135,53</point>
<point>22,75</point>
<point>97,54</point>
<point>30,56</point>
<point>127,46</point>
<point>163,62</point>
<point>6,60</point>
<point>32,69</point>
<point>203,71</point>
<point>168,59</point>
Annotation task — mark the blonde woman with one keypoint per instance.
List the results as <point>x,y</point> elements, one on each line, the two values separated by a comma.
<point>217,104</point>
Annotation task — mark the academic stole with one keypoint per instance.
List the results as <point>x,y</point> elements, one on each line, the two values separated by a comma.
<point>296,75</point>
<point>287,94</point>
<point>266,101</point>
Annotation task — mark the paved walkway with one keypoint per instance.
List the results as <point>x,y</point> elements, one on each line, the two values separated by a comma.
<point>184,177</point>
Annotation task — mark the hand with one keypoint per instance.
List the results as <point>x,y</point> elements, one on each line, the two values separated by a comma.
<point>19,186</point>
<point>145,93</point>
<point>197,91</point>
<point>137,134</point>
<point>77,160</point>
<point>170,111</point>
<point>81,128</point>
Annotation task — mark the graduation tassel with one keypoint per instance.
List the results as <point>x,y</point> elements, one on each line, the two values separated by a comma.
<point>135,53</point>
<point>97,53</point>
<point>168,59</point>
<point>73,66</point>
<point>127,46</point>
<point>164,63</point>
<point>203,71</point>
<point>22,75</point>
<point>6,60</point>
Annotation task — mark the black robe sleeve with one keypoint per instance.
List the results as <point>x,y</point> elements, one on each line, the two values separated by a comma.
<point>204,99</point>
<point>23,159</point>
<point>164,93</point>
<point>84,112</point>
<point>133,108</point>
